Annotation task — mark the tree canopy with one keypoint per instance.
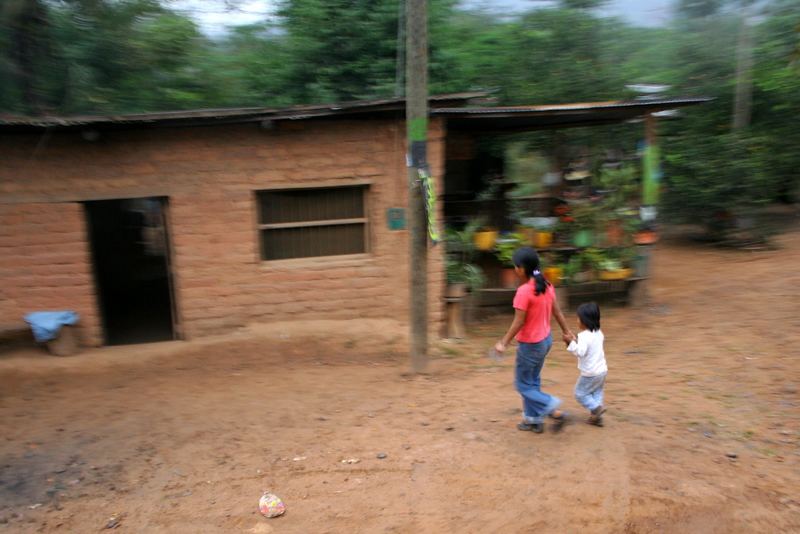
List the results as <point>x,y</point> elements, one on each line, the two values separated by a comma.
<point>112,56</point>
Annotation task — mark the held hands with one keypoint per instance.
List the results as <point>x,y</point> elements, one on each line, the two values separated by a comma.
<point>568,337</point>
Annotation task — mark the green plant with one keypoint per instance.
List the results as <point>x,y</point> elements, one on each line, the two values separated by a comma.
<point>620,185</point>
<point>468,274</point>
<point>525,169</point>
<point>594,258</point>
<point>573,266</point>
<point>460,250</point>
<point>505,247</point>
<point>585,216</point>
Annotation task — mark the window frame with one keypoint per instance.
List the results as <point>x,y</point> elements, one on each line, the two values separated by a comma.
<point>365,187</point>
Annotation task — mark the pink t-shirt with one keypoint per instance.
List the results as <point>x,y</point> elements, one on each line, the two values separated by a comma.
<point>538,308</point>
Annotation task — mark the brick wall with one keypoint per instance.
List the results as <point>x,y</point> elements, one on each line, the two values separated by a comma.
<point>210,175</point>
<point>44,264</point>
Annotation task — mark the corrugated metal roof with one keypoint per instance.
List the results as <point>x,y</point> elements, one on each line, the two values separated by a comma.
<point>660,104</point>
<point>511,119</point>
<point>229,115</point>
<point>447,106</point>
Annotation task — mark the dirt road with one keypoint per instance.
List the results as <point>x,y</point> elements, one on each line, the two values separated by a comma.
<point>184,437</point>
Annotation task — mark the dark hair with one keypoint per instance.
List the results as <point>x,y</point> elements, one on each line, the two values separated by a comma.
<point>589,314</point>
<point>528,259</point>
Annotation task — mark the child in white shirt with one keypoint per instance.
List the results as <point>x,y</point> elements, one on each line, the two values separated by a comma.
<point>588,347</point>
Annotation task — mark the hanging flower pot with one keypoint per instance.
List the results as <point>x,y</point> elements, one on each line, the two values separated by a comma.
<point>485,239</point>
<point>543,239</point>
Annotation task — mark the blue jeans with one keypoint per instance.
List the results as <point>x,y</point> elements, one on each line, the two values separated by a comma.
<point>589,391</point>
<point>536,404</point>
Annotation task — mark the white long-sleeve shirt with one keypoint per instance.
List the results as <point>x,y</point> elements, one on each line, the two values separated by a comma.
<point>589,350</point>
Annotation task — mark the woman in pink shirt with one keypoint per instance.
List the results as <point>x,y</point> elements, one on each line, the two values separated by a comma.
<point>534,303</point>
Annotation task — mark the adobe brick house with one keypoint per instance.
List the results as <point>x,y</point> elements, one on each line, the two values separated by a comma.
<point>181,224</point>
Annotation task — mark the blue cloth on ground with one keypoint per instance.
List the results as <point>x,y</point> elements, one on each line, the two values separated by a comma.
<point>46,324</point>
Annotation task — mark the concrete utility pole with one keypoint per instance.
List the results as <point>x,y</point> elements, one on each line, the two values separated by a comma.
<point>417,134</point>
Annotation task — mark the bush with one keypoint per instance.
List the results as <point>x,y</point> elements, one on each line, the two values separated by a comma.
<point>716,182</point>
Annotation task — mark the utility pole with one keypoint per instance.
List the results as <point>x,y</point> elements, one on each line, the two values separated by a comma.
<point>417,136</point>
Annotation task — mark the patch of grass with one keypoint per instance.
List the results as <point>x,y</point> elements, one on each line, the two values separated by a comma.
<point>350,344</point>
<point>663,397</point>
<point>451,351</point>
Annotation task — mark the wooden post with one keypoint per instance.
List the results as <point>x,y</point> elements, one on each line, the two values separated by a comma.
<point>417,135</point>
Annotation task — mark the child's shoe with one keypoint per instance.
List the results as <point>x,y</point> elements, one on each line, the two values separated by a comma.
<point>596,418</point>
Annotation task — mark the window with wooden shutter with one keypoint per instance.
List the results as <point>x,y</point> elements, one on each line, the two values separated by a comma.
<point>306,222</point>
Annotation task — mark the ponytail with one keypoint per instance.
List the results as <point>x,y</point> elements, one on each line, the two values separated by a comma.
<point>528,260</point>
<point>541,282</point>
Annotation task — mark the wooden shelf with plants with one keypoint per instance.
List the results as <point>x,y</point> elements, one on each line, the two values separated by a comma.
<point>592,246</point>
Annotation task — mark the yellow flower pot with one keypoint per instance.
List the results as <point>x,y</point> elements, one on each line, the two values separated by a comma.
<point>544,239</point>
<point>485,240</point>
<point>621,274</point>
<point>554,275</point>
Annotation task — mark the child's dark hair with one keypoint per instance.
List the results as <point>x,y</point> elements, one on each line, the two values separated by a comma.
<point>589,314</point>
<point>528,259</point>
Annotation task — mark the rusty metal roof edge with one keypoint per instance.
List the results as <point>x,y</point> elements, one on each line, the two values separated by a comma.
<point>245,114</point>
<point>664,103</point>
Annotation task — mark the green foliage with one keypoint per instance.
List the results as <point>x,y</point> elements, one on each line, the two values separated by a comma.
<point>620,185</point>
<point>505,248</point>
<point>713,179</point>
<point>460,250</point>
<point>465,273</point>
<point>116,56</point>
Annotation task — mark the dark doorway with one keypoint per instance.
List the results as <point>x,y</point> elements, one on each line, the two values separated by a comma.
<point>130,250</point>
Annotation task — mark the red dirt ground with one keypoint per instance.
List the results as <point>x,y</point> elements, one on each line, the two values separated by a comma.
<point>184,437</point>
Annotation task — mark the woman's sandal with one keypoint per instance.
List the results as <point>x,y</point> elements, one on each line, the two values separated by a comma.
<point>536,428</point>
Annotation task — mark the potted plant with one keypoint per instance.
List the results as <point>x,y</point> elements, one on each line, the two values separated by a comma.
<point>613,264</point>
<point>585,217</point>
<point>554,274</point>
<point>462,274</point>
<point>578,269</point>
<point>484,238</point>
<point>463,278</point>
<point>645,235</point>
<point>504,251</point>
